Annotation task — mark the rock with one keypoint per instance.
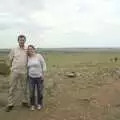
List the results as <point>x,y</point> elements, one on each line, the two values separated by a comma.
<point>59,73</point>
<point>78,74</point>
<point>72,74</point>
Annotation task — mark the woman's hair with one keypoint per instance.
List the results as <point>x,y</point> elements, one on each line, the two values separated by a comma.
<point>32,46</point>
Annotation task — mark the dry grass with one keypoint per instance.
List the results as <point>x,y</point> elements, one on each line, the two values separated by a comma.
<point>92,95</point>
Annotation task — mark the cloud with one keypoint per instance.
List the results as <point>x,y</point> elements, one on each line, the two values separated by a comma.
<point>62,22</point>
<point>21,6</point>
<point>16,16</point>
<point>16,12</point>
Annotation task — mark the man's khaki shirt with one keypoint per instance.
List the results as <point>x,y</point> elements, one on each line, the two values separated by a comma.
<point>18,59</point>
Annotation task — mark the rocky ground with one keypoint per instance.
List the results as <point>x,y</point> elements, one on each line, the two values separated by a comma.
<point>75,89</point>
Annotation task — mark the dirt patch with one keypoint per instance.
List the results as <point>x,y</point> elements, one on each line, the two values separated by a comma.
<point>109,94</point>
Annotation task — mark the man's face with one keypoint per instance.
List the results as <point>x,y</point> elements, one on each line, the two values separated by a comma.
<point>21,41</point>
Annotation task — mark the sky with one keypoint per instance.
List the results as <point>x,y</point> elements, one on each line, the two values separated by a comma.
<point>60,23</point>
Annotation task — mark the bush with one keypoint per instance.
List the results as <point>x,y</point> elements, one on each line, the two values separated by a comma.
<point>4,68</point>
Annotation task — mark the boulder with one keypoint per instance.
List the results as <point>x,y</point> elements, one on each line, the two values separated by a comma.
<point>71,74</point>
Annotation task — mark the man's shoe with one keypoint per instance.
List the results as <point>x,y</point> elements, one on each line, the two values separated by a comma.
<point>32,108</point>
<point>9,108</point>
<point>24,104</point>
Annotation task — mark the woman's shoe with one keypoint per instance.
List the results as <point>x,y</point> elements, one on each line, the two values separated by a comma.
<point>39,107</point>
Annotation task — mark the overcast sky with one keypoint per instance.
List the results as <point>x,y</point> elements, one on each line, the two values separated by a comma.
<point>60,23</point>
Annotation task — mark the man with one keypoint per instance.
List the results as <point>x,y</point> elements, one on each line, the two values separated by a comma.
<point>18,60</point>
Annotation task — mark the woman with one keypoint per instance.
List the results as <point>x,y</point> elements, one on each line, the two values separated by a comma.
<point>36,68</point>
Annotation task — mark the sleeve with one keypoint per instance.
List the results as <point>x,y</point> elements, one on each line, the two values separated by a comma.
<point>43,64</point>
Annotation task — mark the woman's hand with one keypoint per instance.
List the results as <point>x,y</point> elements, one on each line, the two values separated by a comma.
<point>42,77</point>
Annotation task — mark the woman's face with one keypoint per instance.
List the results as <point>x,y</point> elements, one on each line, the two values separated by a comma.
<point>31,51</point>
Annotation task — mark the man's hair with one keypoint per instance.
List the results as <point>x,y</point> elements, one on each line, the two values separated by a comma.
<point>21,36</point>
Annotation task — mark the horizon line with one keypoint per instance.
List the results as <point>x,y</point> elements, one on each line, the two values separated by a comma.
<point>73,48</point>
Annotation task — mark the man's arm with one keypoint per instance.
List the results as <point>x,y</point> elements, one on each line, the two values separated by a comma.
<point>10,57</point>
